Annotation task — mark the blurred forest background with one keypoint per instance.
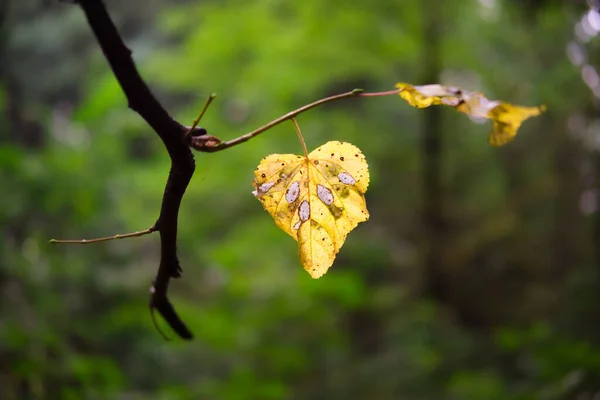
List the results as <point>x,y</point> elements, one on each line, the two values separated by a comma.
<point>477,276</point>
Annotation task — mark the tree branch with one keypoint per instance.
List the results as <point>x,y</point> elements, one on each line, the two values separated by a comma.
<point>177,139</point>
<point>171,133</point>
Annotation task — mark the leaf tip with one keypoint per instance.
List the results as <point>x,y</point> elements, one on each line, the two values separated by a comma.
<point>314,274</point>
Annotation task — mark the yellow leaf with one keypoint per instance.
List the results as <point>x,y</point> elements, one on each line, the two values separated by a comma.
<point>506,117</point>
<point>426,95</point>
<point>317,199</point>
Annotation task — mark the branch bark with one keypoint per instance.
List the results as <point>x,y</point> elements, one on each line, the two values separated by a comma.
<point>171,133</point>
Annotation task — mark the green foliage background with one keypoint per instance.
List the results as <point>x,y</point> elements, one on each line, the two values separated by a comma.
<point>517,314</point>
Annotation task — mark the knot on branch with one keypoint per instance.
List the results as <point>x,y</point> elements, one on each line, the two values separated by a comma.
<point>199,140</point>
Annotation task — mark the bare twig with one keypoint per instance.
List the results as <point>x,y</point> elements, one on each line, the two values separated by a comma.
<point>105,239</point>
<point>197,121</point>
<point>210,144</point>
<point>380,94</point>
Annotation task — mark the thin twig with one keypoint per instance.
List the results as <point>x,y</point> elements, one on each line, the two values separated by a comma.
<point>283,118</point>
<point>197,121</point>
<point>380,94</point>
<point>105,239</point>
<point>241,139</point>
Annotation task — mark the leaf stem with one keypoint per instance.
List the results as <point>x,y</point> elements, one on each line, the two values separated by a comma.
<point>300,136</point>
<point>380,94</point>
<point>104,239</point>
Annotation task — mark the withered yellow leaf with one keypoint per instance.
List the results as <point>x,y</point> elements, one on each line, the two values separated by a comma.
<point>506,118</point>
<point>317,199</point>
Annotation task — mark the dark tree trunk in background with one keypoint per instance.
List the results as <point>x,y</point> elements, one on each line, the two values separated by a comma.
<point>439,282</point>
<point>595,311</point>
<point>569,243</point>
<point>431,153</point>
<point>13,230</point>
<point>21,128</point>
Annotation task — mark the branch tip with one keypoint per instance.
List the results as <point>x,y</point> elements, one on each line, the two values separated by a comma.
<point>197,121</point>
<point>157,327</point>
